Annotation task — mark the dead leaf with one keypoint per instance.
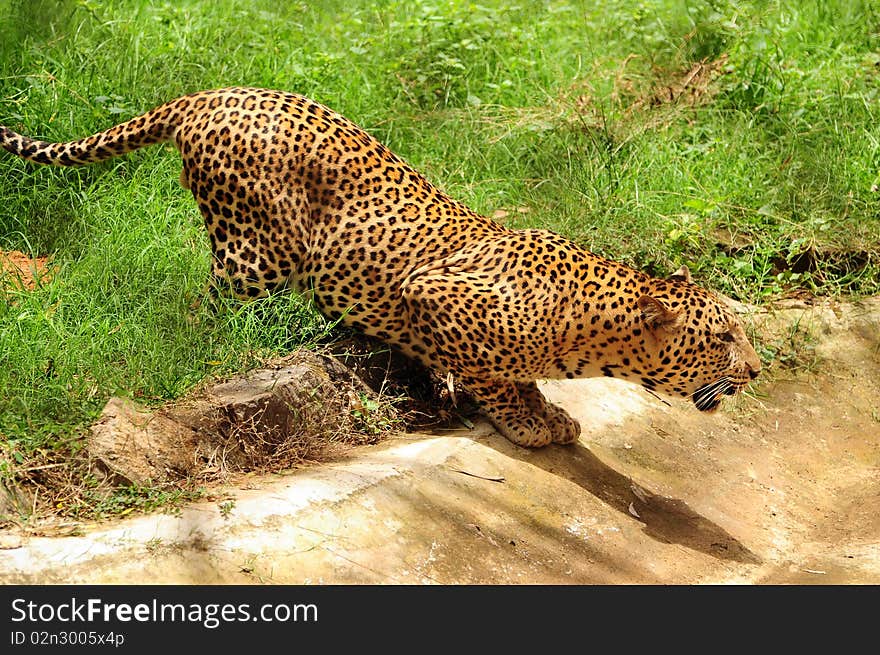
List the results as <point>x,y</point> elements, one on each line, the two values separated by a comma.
<point>450,386</point>
<point>639,493</point>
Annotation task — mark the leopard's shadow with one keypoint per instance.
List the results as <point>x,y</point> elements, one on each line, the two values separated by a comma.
<point>668,520</point>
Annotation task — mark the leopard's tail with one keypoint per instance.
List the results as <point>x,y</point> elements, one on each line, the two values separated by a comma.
<point>155,126</point>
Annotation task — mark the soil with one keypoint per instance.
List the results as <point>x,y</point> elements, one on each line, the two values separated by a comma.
<point>780,486</point>
<point>20,270</point>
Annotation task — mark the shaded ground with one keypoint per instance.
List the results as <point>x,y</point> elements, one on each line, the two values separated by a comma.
<point>779,487</point>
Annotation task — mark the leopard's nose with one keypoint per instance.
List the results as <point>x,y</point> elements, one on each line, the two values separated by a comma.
<point>754,372</point>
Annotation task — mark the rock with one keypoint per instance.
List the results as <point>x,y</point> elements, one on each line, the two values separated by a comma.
<point>10,540</point>
<point>274,417</point>
<point>14,502</point>
<point>133,445</point>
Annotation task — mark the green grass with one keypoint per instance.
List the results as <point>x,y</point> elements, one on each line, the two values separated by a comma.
<point>767,183</point>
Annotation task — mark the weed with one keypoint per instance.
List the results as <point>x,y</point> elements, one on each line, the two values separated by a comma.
<point>226,508</point>
<point>95,500</point>
<point>372,416</point>
<point>794,349</point>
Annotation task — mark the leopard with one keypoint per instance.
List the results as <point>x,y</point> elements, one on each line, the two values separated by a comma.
<point>296,197</point>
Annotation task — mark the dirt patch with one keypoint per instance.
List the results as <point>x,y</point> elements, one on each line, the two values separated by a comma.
<point>21,271</point>
<point>823,421</point>
<point>657,99</point>
<point>690,86</point>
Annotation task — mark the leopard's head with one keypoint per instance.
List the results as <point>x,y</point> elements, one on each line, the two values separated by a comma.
<point>694,345</point>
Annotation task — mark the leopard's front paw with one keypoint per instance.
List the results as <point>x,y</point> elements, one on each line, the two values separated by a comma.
<point>529,431</point>
<point>565,429</point>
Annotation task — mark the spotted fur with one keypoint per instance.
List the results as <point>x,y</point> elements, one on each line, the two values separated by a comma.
<point>294,195</point>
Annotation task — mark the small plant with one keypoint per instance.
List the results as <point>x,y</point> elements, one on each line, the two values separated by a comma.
<point>373,417</point>
<point>92,499</point>
<point>794,349</point>
<point>226,508</point>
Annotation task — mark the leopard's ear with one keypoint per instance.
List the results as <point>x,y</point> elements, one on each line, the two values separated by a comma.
<point>656,314</point>
<point>683,274</point>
